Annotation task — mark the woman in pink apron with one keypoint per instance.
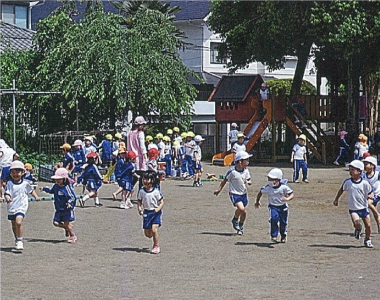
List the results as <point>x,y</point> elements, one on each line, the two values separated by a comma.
<point>136,143</point>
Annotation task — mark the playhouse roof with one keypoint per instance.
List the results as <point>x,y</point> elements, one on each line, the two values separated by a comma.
<point>235,88</point>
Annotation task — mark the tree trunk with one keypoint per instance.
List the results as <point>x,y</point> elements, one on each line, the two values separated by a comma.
<point>303,56</point>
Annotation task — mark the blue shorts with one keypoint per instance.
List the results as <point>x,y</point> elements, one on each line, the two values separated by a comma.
<point>64,215</point>
<point>13,217</point>
<point>92,185</point>
<point>376,200</point>
<point>77,169</point>
<point>126,185</point>
<point>239,198</point>
<point>362,213</point>
<point>151,217</point>
<point>197,166</point>
<point>6,171</point>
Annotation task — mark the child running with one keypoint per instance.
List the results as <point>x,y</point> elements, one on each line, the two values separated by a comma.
<point>373,176</point>
<point>358,191</point>
<point>124,175</point>
<point>150,203</point>
<point>279,194</point>
<point>16,194</point>
<point>92,178</point>
<point>64,202</point>
<point>238,176</point>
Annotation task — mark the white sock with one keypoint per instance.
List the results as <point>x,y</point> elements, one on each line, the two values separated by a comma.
<point>96,200</point>
<point>85,198</point>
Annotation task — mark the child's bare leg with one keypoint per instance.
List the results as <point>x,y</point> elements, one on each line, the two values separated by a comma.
<point>356,221</point>
<point>155,234</point>
<point>69,227</point>
<point>367,225</point>
<point>148,233</point>
<point>118,191</point>
<point>376,214</point>
<point>17,226</point>
<point>240,212</point>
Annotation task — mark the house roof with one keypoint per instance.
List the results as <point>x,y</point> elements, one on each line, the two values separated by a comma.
<point>190,10</point>
<point>15,37</point>
<point>235,88</point>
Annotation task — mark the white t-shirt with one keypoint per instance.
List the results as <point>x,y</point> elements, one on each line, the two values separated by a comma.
<point>197,153</point>
<point>357,193</point>
<point>238,147</point>
<point>19,194</point>
<point>237,180</point>
<point>299,152</point>
<point>150,199</point>
<point>190,151</point>
<point>275,193</point>
<point>7,158</point>
<point>374,182</point>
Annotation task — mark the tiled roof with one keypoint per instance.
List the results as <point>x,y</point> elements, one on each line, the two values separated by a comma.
<point>235,88</point>
<point>14,37</point>
<point>190,10</point>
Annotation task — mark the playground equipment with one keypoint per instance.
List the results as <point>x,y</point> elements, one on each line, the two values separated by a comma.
<point>253,131</point>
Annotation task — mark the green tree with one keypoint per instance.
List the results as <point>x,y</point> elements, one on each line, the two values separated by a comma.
<point>113,68</point>
<point>265,31</point>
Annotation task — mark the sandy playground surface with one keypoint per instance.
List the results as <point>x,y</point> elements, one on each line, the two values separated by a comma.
<point>201,256</point>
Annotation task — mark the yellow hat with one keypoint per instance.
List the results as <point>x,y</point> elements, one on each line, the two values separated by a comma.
<point>28,167</point>
<point>169,131</point>
<point>183,135</point>
<point>175,129</point>
<point>191,134</point>
<point>159,136</point>
<point>149,138</point>
<point>66,146</point>
<point>118,136</point>
<point>166,138</point>
<point>109,136</point>
<point>239,135</point>
<point>302,137</point>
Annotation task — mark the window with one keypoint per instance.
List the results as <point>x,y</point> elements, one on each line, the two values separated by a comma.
<point>214,54</point>
<point>15,14</point>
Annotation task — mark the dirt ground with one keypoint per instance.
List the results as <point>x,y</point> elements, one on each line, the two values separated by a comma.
<point>201,256</point>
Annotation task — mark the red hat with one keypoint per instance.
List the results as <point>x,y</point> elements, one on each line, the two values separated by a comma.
<point>131,155</point>
<point>92,154</point>
<point>152,152</point>
<point>366,154</point>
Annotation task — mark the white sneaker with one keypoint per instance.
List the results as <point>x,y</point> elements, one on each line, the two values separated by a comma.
<point>19,245</point>
<point>129,204</point>
<point>123,205</point>
<point>336,163</point>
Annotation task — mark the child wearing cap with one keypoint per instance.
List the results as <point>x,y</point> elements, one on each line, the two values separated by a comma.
<point>105,149</point>
<point>92,179</point>
<point>29,171</point>
<point>168,156</point>
<point>89,145</point>
<point>197,160</point>
<point>361,147</point>
<point>79,159</point>
<point>233,134</point>
<point>68,158</point>
<point>358,191</point>
<point>125,178</point>
<point>279,194</point>
<point>7,156</point>
<point>189,154</point>
<point>16,194</point>
<point>299,159</point>
<point>239,145</point>
<point>64,202</point>
<point>238,176</point>
<point>371,175</point>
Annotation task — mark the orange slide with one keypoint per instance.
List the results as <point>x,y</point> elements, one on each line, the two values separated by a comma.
<point>252,131</point>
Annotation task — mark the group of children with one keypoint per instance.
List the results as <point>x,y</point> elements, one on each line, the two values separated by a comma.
<point>277,190</point>
<point>181,154</point>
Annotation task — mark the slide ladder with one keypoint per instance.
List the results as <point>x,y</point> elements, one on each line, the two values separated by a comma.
<point>317,142</point>
<point>252,131</point>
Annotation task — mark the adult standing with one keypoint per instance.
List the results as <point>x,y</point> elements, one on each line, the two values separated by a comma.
<point>136,143</point>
